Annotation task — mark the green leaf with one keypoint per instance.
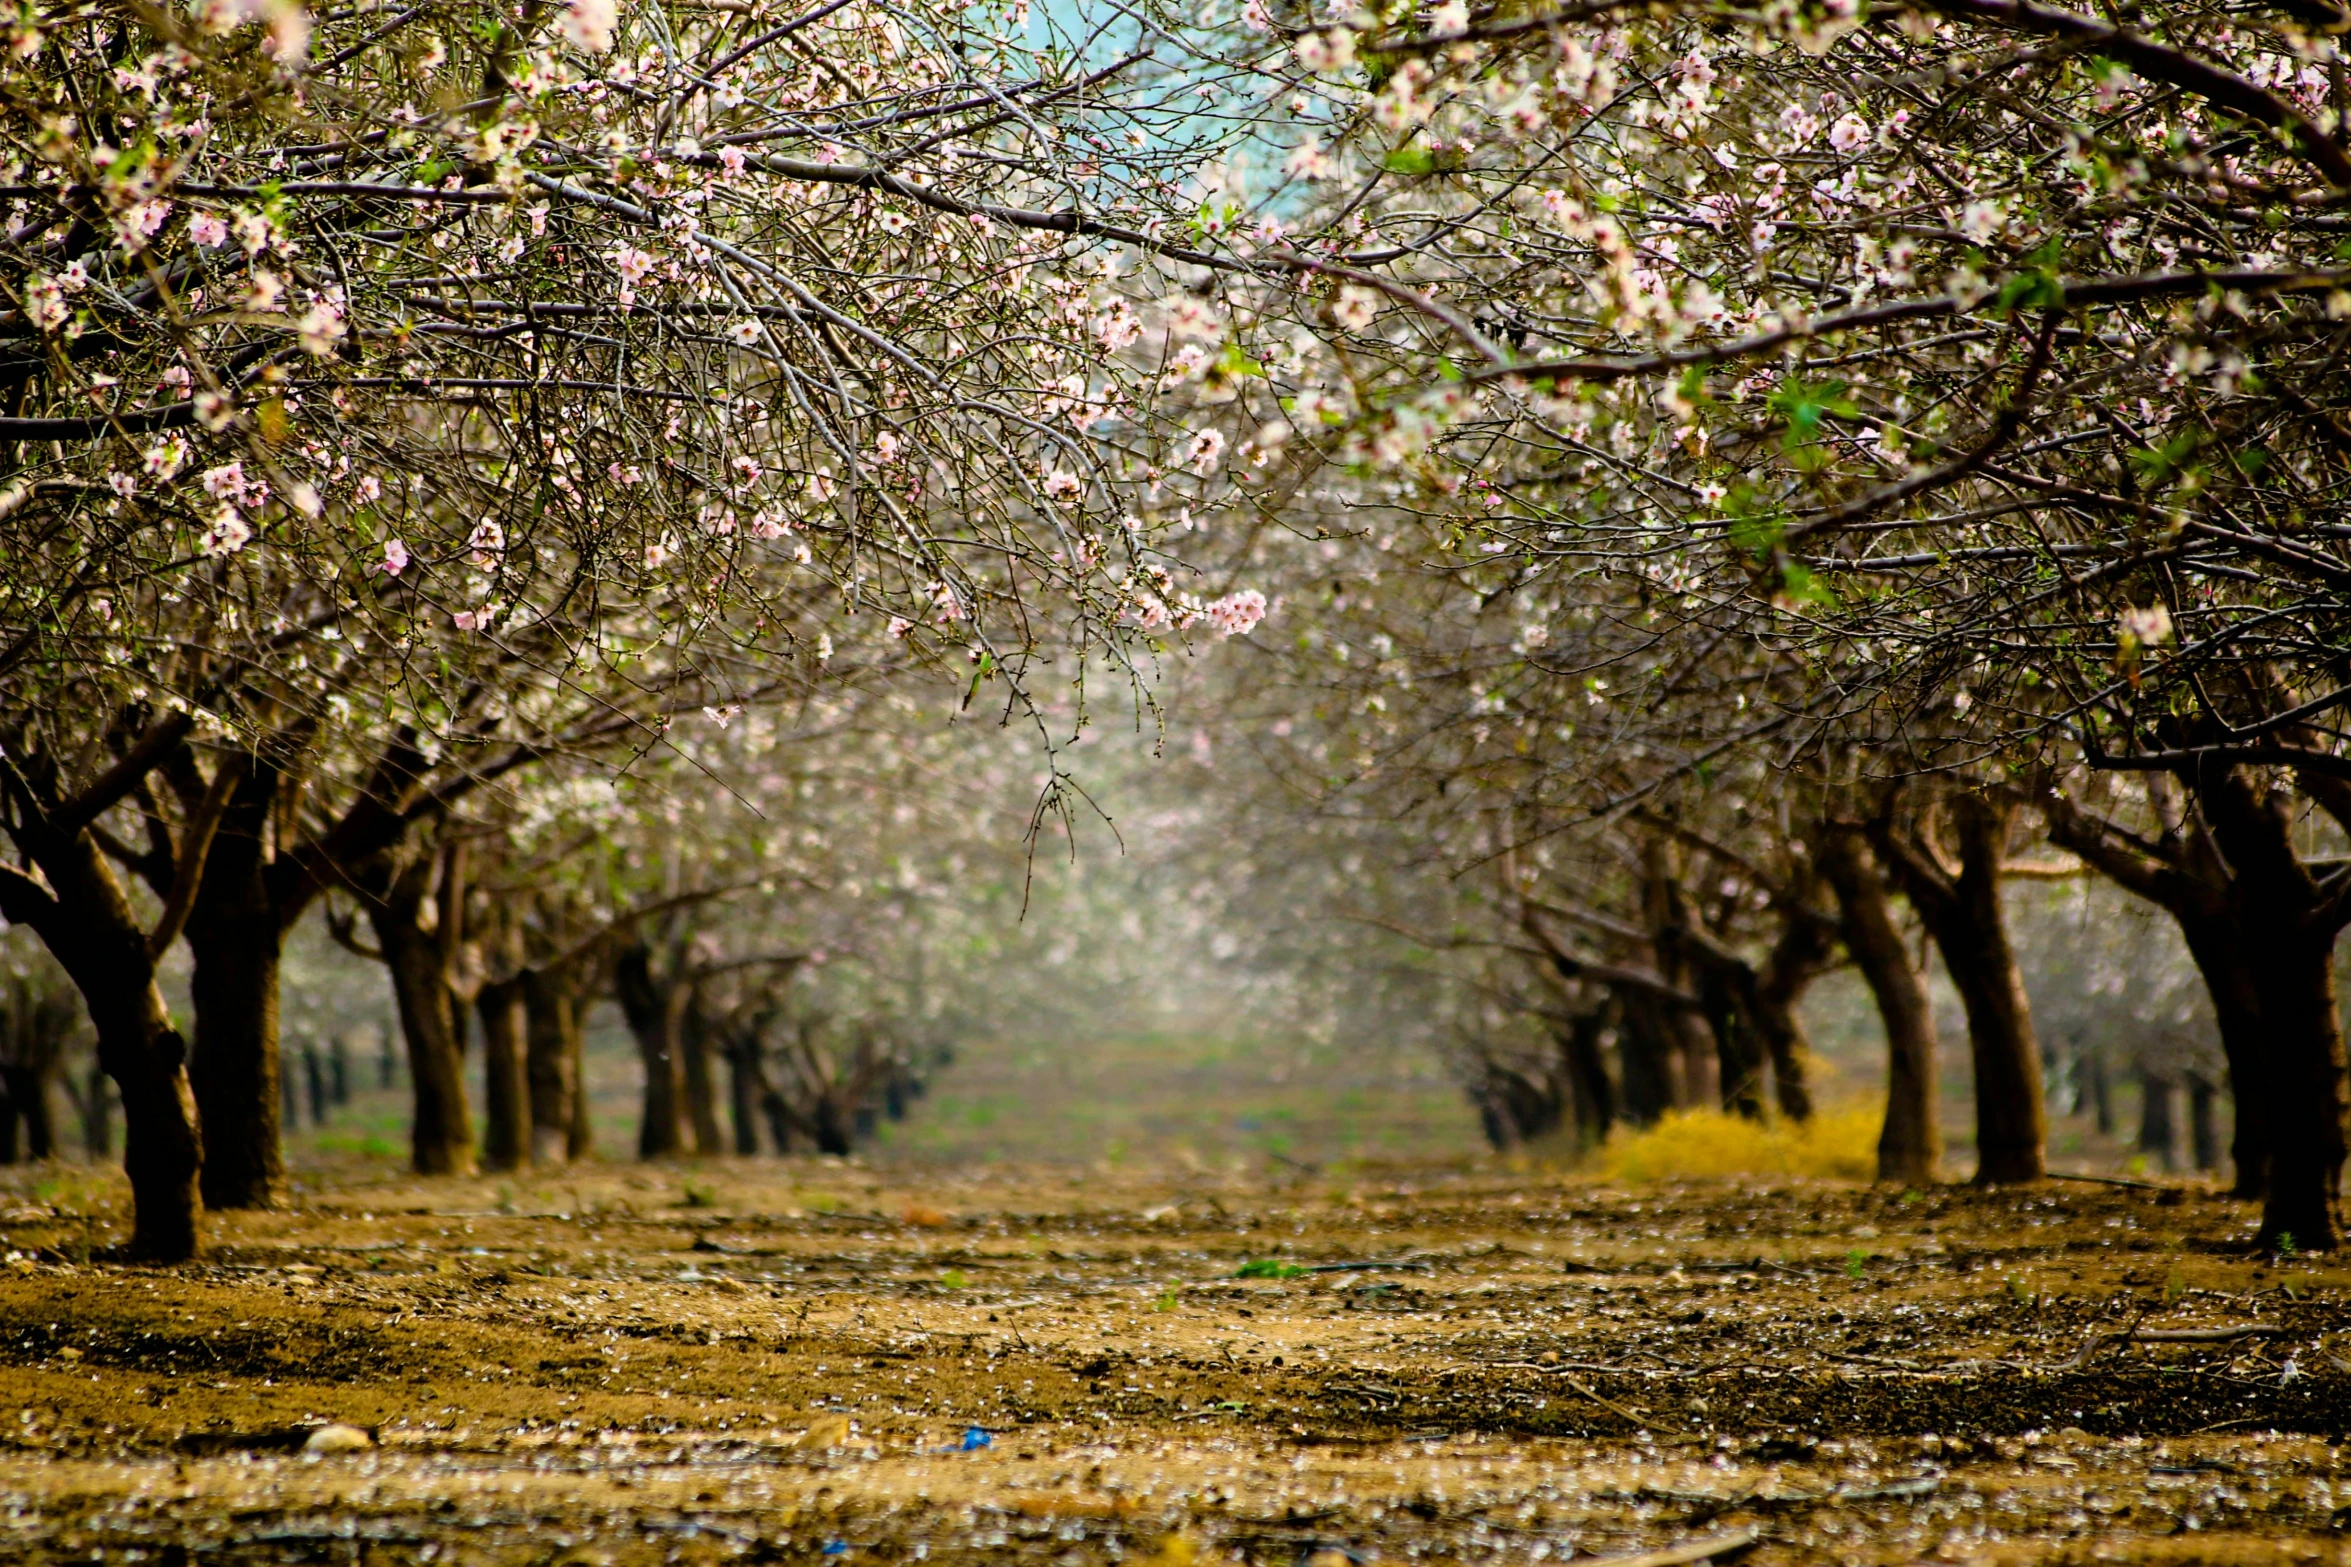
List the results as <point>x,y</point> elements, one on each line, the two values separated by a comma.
<point>1410,160</point>
<point>1271,1268</point>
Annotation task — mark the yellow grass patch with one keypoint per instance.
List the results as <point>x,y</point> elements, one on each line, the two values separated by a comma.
<point>1837,1144</point>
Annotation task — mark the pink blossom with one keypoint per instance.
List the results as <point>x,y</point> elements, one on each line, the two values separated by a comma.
<point>1236,614</point>
<point>1202,454</point>
<point>227,534</point>
<point>395,559</point>
<point>44,301</point>
<point>589,24</point>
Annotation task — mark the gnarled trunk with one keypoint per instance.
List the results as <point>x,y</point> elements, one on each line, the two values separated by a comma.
<point>87,924</point>
<point>1910,1146</point>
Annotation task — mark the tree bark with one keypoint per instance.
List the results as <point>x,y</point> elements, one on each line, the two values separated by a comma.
<point>1910,1146</point>
<point>87,924</point>
<point>441,1131</point>
<point>506,1084</point>
<point>1648,1053</point>
<point>28,1111</point>
<point>2186,874</point>
<point>651,1005</point>
<point>2158,1129</point>
<point>551,1025</point>
<point>97,1111</point>
<point>701,1082</point>
<point>2262,927</point>
<point>2203,1136</point>
<point>236,936</point>
<point>1963,914</point>
<point>1590,1093</point>
<point>746,1085</point>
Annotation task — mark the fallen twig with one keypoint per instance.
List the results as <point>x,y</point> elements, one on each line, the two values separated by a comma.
<point>1706,1549</point>
<point>1614,1407</point>
<point>2112,1180</point>
<point>1369,1267</point>
<point>2099,1341</point>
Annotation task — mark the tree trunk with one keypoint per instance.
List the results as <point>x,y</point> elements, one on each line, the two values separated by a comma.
<point>579,1135</point>
<point>652,1008</point>
<point>701,1081</point>
<point>10,1149</point>
<point>550,1024</point>
<point>236,937</point>
<point>1910,1147</point>
<point>2306,1093</point>
<point>2216,944</point>
<point>1739,1055</point>
<point>1590,1092</point>
<point>2158,1134</point>
<point>97,1107</point>
<point>1805,945</point>
<point>746,1086</point>
<point>1962,912</point>
<point>2203,1135</point>
<point>88,925</point>
<point>2284,924</point>
<point>441,1134</point>
<point>28,1105</point>
<point>2012,1128</point>
<point>506,1085</point>
<point>1647,1053</point>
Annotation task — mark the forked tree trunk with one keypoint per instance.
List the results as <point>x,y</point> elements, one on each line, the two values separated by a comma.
<point>1963,914</point>
<point>236,936</point>
<point>88,926</point>
<point>506,1086</point>
<point>1910,1146</point>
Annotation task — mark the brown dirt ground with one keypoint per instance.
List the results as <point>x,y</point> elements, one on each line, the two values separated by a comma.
<point>772,1360</point>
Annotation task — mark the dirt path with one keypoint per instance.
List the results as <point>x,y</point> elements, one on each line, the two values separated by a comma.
<point>769,1361</point>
